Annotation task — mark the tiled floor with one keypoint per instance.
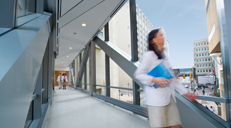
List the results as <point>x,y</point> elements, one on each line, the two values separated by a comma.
<point>74,109</point>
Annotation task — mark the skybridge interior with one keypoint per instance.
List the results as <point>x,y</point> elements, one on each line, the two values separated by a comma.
<point>41,38</point>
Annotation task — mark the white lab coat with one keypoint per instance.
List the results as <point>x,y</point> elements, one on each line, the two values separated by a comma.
<point>160,96</point>
<point>58,79</point>
<point>64,78</point>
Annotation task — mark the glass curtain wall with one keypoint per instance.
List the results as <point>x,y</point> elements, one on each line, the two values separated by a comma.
<point>26,7</point>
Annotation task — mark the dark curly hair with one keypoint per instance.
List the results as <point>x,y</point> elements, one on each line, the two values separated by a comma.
<point>153,47</point>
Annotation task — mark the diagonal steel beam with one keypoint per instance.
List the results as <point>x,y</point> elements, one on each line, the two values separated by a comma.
<point>121,58</point>
<point>83,65</point>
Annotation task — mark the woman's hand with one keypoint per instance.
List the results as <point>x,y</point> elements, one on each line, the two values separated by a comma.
<point>190,96</point>
<point>160,81</point>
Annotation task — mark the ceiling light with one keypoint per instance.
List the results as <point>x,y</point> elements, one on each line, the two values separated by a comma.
<point>84,25</point>
<point>70,47</point>
<point>67,56</point>
<point>74,33</point>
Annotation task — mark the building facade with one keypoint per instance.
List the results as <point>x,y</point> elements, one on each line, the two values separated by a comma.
<point>215,48</point>
<point>144,26</point>
<point>202,59</point>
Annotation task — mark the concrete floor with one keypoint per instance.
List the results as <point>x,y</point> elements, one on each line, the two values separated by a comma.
<point>74,109</point>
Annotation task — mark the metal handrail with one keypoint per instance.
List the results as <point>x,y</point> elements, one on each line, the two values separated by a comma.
<point>214,99</point>
<point>115,87</point>
<point>121,88</point>
<point>101,85</point>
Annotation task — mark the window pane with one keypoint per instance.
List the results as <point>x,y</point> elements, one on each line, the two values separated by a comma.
<point>123,95</point>
<point>26,7</point>
<point>216,108</point>
<point>100,66</point>
<point>29,118</point>
<point>101,90</point>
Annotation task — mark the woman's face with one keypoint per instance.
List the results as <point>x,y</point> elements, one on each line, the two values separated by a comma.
<point>159,39</point>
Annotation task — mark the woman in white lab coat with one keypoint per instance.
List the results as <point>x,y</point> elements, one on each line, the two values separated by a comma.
<point>162,110</point>
<point>65,82</point>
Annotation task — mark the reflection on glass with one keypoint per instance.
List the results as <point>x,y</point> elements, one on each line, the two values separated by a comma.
<point>101,90</point>
<point>123,95</point>
<point>26,7</point>
<point>29,118</point>
<point>142,99</point>
<point>120,24</point>
<point>101,34</point>
<point>214,107</point>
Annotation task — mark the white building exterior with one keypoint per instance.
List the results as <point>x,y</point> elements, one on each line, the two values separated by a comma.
<point>202,59</point>
<point>144,26</point>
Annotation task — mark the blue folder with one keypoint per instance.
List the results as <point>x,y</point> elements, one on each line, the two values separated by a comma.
<point>161,70</point>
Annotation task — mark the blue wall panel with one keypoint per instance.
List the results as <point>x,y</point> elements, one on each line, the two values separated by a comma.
<point>21,54</point>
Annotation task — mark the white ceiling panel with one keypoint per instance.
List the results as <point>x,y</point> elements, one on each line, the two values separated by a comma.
<point>61,63</point>
<point>73,38</point>
<point>66,5</point>
<point>66,45</point>
<point>65,59</point>
<point>97,15</point>
<point>78,11</point>
<point>109,5</point>
<point>82,33</point>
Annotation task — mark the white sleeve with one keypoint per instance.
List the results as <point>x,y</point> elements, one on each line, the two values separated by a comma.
<point>179,87</point>
<point>66,79</point>
<point>141,72</point>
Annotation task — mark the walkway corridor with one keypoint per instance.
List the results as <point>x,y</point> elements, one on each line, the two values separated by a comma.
<point>74,109</point>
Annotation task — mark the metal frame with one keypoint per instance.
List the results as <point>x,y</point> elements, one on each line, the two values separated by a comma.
<point>107,75</point>
<point>134,48</point>
<point>133,23</point>
<point>107,63</point>
<point>115,87</point>
<point>224,18</point>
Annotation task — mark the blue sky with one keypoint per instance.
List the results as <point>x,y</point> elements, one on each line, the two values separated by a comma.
<point>184,21</point>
